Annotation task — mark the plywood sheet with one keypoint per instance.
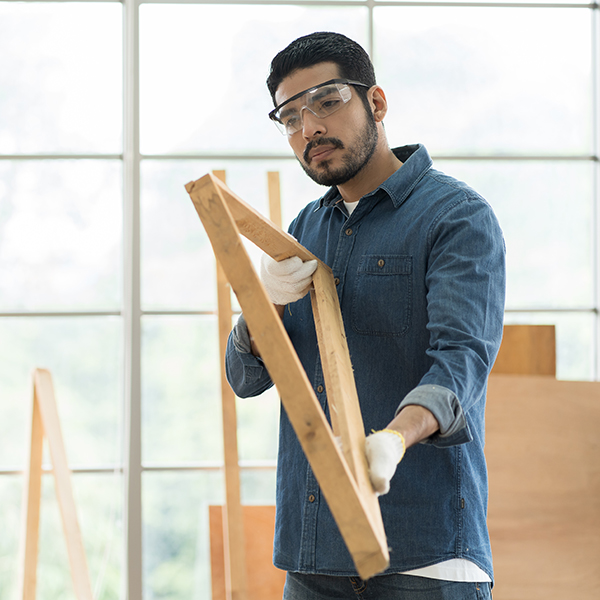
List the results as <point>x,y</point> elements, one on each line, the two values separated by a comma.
<point>543,453</point>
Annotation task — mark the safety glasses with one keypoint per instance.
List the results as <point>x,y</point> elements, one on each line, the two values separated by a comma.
<point>321,100</point>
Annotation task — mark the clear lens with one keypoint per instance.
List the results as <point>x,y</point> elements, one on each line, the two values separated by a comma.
<point>320,101</point>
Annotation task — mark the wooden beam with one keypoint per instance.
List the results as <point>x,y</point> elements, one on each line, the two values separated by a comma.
<point>274,193</point>
<point>233,527</point>
<point>355,509</point>
<point>45,421</point>
<point>32,493</point>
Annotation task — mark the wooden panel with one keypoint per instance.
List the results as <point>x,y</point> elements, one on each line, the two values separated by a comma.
<point>353,508</point>
<point>543,449</point>
<point>265,582</point>
<point>527,350</point>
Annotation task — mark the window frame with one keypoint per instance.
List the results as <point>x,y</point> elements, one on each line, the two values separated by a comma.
<point>131,311</point>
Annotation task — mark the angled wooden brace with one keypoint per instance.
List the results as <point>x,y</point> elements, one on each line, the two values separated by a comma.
<point>343,478</point>
<point>45,422</point>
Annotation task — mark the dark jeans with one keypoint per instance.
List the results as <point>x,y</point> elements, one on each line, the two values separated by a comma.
<point>383,587</point>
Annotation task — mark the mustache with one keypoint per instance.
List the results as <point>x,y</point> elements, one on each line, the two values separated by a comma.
<point>335,142</point>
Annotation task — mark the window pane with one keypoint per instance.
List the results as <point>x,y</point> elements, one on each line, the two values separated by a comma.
<point>203,73</point>
<point>258,486</point>
<point>84,357</point>
<point>545,210</point>
<point>11,492</point>
<point>61,77</point>
<point>98,501</point>
<point>574,340</point>
<point>181,397</point>
<point>60,235</point>
<point>178,264</point>
<point>258,429</point>
<point>176,546</point>
<point>487,80</point>
<point>181,401</point>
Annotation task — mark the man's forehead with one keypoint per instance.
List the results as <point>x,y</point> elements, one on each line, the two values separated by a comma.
<point>304,79</point>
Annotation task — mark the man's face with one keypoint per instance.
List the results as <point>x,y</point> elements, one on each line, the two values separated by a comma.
<point>334,149</point>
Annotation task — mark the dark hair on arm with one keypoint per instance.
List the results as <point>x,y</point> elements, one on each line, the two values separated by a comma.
<point>323,46</point>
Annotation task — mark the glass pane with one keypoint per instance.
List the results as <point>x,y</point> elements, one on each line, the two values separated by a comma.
<point>178,265</point>
<point>486,80</point>
<point>574,340</point>
<point>181,401</point>
<point>60,235</point>
<point>203,73</point>
<point>181,397</point>
<point>98,498</point>
<point>258,486</point>
<point>61,77</point>
<point>258,427</point>
<point>545,210</point>
<point>11,492</point>
<point>176,548</point>
<point>84,356</point>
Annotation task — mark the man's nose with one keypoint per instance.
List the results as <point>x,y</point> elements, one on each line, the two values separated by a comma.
<point>311,124</point>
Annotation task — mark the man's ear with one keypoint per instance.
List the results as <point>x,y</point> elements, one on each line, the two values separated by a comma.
<point>378,103</point>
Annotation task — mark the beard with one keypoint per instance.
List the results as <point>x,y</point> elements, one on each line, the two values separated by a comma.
<point>353,161</point>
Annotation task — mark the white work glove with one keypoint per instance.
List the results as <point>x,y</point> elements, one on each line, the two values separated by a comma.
<point>384,450</point>
<point>287,280</point>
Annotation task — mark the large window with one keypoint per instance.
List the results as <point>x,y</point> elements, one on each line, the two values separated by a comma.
<point>106,277</point>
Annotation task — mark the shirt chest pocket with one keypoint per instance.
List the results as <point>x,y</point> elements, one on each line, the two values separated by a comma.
<point>382,295</point>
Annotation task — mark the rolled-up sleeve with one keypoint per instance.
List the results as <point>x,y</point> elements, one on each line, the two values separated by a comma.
<point>246,373</point>
<point>446,408</point>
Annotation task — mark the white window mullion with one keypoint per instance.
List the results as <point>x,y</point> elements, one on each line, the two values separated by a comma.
<point>595,33</point>
<point>132,575</point>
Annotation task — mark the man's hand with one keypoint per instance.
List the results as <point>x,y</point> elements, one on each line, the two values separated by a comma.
<point>287,280</point>
<point>384,450</point>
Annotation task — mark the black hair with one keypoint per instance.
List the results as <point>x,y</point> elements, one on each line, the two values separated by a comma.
<point>324,46</point>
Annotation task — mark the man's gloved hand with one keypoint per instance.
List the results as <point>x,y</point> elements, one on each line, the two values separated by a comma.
<point>384,450</point>
<point>287,280</point>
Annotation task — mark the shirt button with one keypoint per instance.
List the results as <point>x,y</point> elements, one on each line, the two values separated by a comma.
<point>348,231</point>
<point>311,498</point>
<point>320,389</point>
<point>381,262</point>
<point>336,281</point>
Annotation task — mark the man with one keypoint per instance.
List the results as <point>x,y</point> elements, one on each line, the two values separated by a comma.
<point>418,259</point>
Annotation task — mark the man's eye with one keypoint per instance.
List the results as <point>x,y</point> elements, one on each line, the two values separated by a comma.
<point>330,104</point>
<point>290,121</point>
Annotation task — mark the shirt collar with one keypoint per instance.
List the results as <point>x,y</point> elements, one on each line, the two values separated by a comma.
<point>416,162</point>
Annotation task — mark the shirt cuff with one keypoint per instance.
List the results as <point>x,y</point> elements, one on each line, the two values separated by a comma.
<point>447,410</point>
<point>241,337</point>
<point>253,366</point>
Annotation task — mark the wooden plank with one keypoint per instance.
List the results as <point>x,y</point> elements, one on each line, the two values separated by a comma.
<point>32,493</point>
<point>350,506</point>
<point>542,448</point>
<point>250,223</point>
<point>233,527</point>
<point>342,396</point>
<point>527,350</point>
<point>265,582</point>
<point>274,193</point>
<point>62,480</point>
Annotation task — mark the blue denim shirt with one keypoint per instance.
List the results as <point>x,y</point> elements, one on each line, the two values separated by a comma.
<point>421,270</point>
